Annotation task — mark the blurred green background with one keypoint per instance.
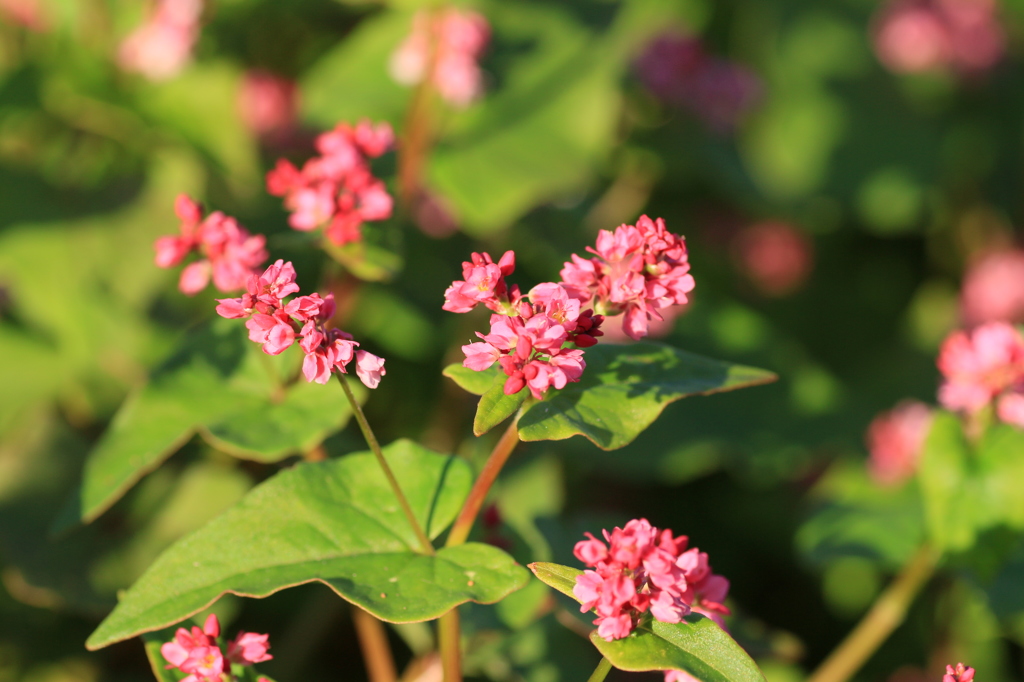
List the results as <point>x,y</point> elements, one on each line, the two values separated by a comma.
<point>831,207</point>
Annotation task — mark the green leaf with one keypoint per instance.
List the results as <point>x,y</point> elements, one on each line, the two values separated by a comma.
<point>948,493</point>
<point>351,81</point>
<point>495,407</point>
<point>697,646</point>
<point>472,381</point>
<point>561,578</point>
<point>625,388</point>
<point>336,522</point>
<point>222,385</point>
<point>551,122</point>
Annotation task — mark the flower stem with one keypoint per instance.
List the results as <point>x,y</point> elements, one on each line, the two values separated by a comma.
<point>448,637</point>
<point>373,641</point>
<point>371,440</point>
<point>885,615</point>
<point>471,507</point>
<point>601,671</point>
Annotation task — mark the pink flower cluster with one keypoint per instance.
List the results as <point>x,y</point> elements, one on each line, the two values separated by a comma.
<point>336,189</point>
<point>161,47</point>
<point>638,270</point>
<point>775,256</point>
<point>642,569</point>
<point>678,70</point>
<point>444,46</point>
<point>229,253</point>
<point>276,324</point>
<point>895,440</point>
<point>529,334</point>
<point>197,653</point>
<point>960,673</point>
<point>982,367</point>
<point>914,36</point>
<point>993,288</point>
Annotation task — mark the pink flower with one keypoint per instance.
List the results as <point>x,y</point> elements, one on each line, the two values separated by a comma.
<point>1010,409</point>
<point>993,288</point>
<point>775,256</point>
<point>980,365</point>
<point>369,368</point>
<point>638,271</point>
<point>26,13</point>
<point>914,36</point>
<point>229,254</point>
<point>679,676</point>
<point>895,440</point>
<point>179,649</point>
<point>204,664</point>
<point>273,331</point>
<point>483,282</point>
<point>268,103</point>
<point>960,673</point>
<point>277,324</point>
<point>639,568</point>
<point>677,70</point>
<point>162,47</point>
<point>528,334</point>
<point>447,43</point>
<point>336,191</point>
<point>248,648</point>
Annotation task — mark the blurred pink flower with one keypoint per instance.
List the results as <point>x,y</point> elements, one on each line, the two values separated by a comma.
<point>248,648</point>
<point>895,440</point>
<point>914,36</point>
<point>162,46</point>
<point>26,13</point>
<point>960,673</point>
<point>775,256</point>
<point>446,43</point>
<point>229,254</point>
<point>993,288</point>
<point>336,190</point>
<point>981,365</point>
<point>677,69</point>
<point>268,103</point>
<point>679,676</point>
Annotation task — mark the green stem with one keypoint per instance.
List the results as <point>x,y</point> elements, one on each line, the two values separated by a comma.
<point>371,440</point>
<point>601,671</point>
<point>885,615</point>
<point>448,637</point>
<point>482,486</point>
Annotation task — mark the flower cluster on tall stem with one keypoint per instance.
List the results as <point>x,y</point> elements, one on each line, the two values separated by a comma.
<point>984,367</point>
<point>228,253</point>
<point>640,569</point>
<point>276,324</point>
<point>537,338</point>
<point>198,654</point>
<point>444,47</point>
<point>637,271</point>
<point>336,189</point>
